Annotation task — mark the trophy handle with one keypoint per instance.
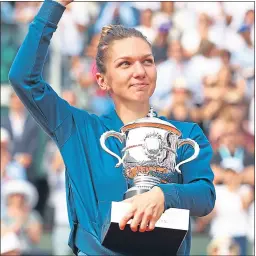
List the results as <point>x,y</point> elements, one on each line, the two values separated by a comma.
<point>196,149</point>
<point>119,136</point>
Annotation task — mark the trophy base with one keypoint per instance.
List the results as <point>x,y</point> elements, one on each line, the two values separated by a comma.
<point>143,183</point>
<point>165,239</point>
<point>134,191</point>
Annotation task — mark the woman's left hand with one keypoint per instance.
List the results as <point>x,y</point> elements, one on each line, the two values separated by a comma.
<point>145,210</point>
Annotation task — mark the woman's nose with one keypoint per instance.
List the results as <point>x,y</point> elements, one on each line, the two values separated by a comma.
<point>139,70</point>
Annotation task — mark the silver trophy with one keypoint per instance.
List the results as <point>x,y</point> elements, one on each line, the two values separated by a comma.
<point>149,152</point>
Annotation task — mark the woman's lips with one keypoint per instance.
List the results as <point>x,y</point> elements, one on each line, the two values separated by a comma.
<point>140,85</point>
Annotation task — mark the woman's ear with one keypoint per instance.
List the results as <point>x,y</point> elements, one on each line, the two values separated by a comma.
<point>101,80</point>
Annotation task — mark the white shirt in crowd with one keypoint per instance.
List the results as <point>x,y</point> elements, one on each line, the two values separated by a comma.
<point>17,123</point>
<point>58,200</point>
<point>70,39</point>
<point>150,33</point>
<point>237,10</point>
<point>231,219</point>
<point>154,6</point>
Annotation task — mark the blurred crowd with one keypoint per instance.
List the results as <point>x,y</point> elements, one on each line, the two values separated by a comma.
<point>204,53</point>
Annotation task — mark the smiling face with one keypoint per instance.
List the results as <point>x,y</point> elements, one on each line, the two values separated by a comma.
<point>130,71</point>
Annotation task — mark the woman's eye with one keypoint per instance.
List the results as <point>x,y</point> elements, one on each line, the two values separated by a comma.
<point>125,64</point>
<point>148,61</point>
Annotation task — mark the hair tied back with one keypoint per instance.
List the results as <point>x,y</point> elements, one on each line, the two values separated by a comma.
<point>105,30</point>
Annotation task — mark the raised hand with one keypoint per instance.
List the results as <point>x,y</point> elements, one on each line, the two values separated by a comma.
<point>145,210</point>
<point>64,2</point>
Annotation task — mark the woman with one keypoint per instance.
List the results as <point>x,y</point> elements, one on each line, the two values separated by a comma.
<point>20,197</point>
<point>230,219</point>
<point>126,70</point>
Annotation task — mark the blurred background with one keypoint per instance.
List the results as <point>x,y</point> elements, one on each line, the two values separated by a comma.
<point>205,61</point>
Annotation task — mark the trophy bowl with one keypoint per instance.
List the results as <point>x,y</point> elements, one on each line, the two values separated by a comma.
<point>149,152</point>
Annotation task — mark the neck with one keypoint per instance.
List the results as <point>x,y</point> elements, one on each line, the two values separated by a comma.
<point>131,112</point>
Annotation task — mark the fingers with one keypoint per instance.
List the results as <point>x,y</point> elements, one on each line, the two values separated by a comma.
<point>145,220</point>
<point>138,218</point>
<point>144,223</point>
<point>145,212</point>
<point>152,223</point>
<point>136,221</point>
<point>125,219</point>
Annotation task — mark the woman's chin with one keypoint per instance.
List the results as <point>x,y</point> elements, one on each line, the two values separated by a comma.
<point>141,97</point>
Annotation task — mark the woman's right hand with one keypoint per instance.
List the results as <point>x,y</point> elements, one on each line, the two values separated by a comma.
<point>64,2</point>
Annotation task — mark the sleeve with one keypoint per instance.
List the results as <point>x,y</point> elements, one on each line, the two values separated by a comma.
<point>25,75</point>
<point>197,193</point>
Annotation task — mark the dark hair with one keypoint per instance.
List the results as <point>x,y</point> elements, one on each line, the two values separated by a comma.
<point>109,34</point>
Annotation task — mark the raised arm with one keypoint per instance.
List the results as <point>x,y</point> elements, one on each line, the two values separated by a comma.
<point>25,75</point>
<point>197,193</point>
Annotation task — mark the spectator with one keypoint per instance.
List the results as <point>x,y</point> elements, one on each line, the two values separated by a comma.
<point>6,13</point>
<point>224,218</point>
<point>24,140</point>
<point>72,28</point>
<point>21,128</point>
<point>249,17</point>
<point>146,27</point>
<point>82,75</point>
<point>183,19</point>
<point>10,169</point>
<point>222,89</point>
<point>71,36</point>
<point>160,45</point>
<point>243,60</point>
<point>175,67</point>
<point>222,123</point>
<point>191,39</point>
<point>20,197</point>
<point>61,229</point>
<point>181,108</point>
<point>222,246</point>
<point>22,15</point>
<point>164,15</point>
<point>214,10</point>
<point>250,125</point>
<point>231,148</point>
<point>216,86</point>
<point>237,11</point>
<point>24,12</point>
<point>206,63</point>
<point>83,69</point>
<point>140,6</point>
<point>117,13</point>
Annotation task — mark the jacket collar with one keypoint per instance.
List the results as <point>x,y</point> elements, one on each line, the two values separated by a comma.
<point>112,121</point>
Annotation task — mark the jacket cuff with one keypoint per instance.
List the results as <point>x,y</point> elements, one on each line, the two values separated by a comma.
<point>171,199</point>
<point>51,11</point>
